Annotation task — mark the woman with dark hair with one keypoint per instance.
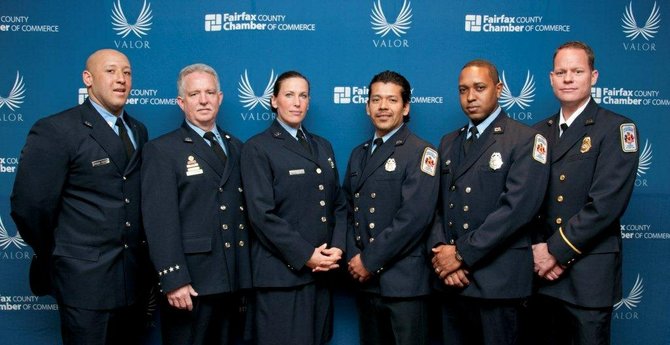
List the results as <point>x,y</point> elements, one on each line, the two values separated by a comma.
<point>298,217</point>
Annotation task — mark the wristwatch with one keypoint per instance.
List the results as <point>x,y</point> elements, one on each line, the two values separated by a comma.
<point>458,256</point>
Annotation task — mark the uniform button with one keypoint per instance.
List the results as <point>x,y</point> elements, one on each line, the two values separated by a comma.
<point>322,203</point>
<point>451,241</point>
<point>372,210</point>
<point>371,239</point>
<point>357,195</point>
<point>373,195</point>
<point>356,224</point>
<point>451,205</point>
<point>372,225</point>
<point>124,178</point>
<point>466,226</point>
<point>223,207</point>
<point>562,177</point>
<point>450,224</point>
<point>127,224</point>
<point>466,208</point>
<point>559,220</point>
<point>220,190</point>
<point>468,189</point>
<point>240,189</point>
<point>227,244</point>
<point>241,226</point>
<point>224,226</point>
<point>559,198</point>
<point>356,209</point>
<point>318,170</point>
<point>323,219</point>
<point>125,246</point>
<point>126,200</point>
<point>241,208</point>
<point>358,238</point>
<point>321,187</point>
<point>452,188</point>
<point>241,243</point>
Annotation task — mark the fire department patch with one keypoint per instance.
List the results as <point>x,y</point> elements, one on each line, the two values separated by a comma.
<point>540,149</point>
<point>429,161</point>
<point>628,137</point>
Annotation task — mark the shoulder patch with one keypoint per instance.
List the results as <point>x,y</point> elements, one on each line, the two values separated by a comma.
<point>628,137</point>
<point>429,161</point>
<point>540,149</point>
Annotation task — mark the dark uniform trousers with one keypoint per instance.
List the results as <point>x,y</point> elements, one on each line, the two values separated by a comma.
<point>196,224</point>
<point>487,198</point>
<point>392,196</point>
<point>593,169</point>
<point>295,205</point>
<point>74,176</point>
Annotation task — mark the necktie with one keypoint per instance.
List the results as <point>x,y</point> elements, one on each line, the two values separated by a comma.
<point>125,139</point>
<point>471,139</point>
<point>377,143</point>
<point>216,147</point>
<point>564,127</point>
<point>303,141</point>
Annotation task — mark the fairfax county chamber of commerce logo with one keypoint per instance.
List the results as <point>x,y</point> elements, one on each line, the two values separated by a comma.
<point>634,97</point>
<point>251,100</point>
<point>9,303</point>
<point>359,95</point>
<point>123,28</point>
<point>504,23</point>
<point>12,247</point>
<point>522,101</point>
<point>136,97</point>
<point>382,27</point>
<point>6,240</point>
<point>243,21</point>
<point>21,24</point>
<point>633,31</point>
<point>8,164</point>
<point>645,159</point>
<point>16,94</point>
<point>630,302</point>
<point>10,103</point>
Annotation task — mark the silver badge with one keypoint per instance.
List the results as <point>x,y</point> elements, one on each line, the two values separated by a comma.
<point>496,161</point>
<point>390,165</point>
<point>192,167</point>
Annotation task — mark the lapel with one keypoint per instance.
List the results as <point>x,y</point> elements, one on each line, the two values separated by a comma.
<point>232,156</point>
<point>201,149</point>
<point>137,155</point>
<point>104,135</point>
<point>575,132</point>
<point>480,145</point>
<point>278,132</point>
<point>382,153</point>
<point>455,153</point>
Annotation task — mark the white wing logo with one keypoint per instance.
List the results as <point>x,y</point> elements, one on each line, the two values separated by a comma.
<point>634,297</point>
<point>383,27</point>
<point>649,29</point>
<point>249,98</point>
<point>15,95</point>
<point>6,240</point>
<point>645,159</point>
<point>524,99</point>
<point>141,26</point>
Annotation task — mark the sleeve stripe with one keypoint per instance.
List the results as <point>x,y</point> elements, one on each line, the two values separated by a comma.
<point>568,241</point>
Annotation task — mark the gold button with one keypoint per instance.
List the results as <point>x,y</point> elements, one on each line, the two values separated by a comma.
<point>241,208</point>
<point>321,187</point>
<point>451,205</point>
<point>466,226</point>
<point>371,239</point>
<point>562,177</point>
<point>227,244</point>
<point>322,203</point>
<point>224,226</point>
<point>318,170</point>
<point>372,225</point>
<point>126,200</point>
<point>559,198</point>
<point>356,209</point>
<point>466,208</point>
<point>239,189</point>
<point>323,219</point>
<point>373,195</point>
<point>223,207</point>
<point>357,195</point>
<point>559,220</point>
<point>468,189</point>
<point>127,224</point>
<point>241,226</point>
<point>241,243</point>
<point>124,178</point>
<point>450,224</point>
<point>372,210</point>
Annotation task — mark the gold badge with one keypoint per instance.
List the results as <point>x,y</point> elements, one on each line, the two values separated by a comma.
<point>192,167</point>
<point>586,145</point>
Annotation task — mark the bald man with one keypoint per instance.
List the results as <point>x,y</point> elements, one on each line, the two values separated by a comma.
<point>76,202</point>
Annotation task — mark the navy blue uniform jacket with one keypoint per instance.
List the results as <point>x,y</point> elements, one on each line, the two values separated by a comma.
<point>295,205</point>
<point>76,201</point>
<point>391,204</point>
<point>194,213</point>
<point>486,201</point>
<point>593,168</point>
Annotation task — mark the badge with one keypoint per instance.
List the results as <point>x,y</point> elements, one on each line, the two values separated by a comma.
<point>296,172</point>
<point>100,162</point>
<point>390,165</point>
<point>628,137</point>
<point>332,164</point>
<point>586,145</point>
<point>540,149</point>
<point>447,162</point>
<point>429,161</point>
<point>496,161</point>
<point>192,167</point>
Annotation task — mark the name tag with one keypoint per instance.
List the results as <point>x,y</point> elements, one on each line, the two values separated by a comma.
<point>296,172</point>
<point>100,162</point>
